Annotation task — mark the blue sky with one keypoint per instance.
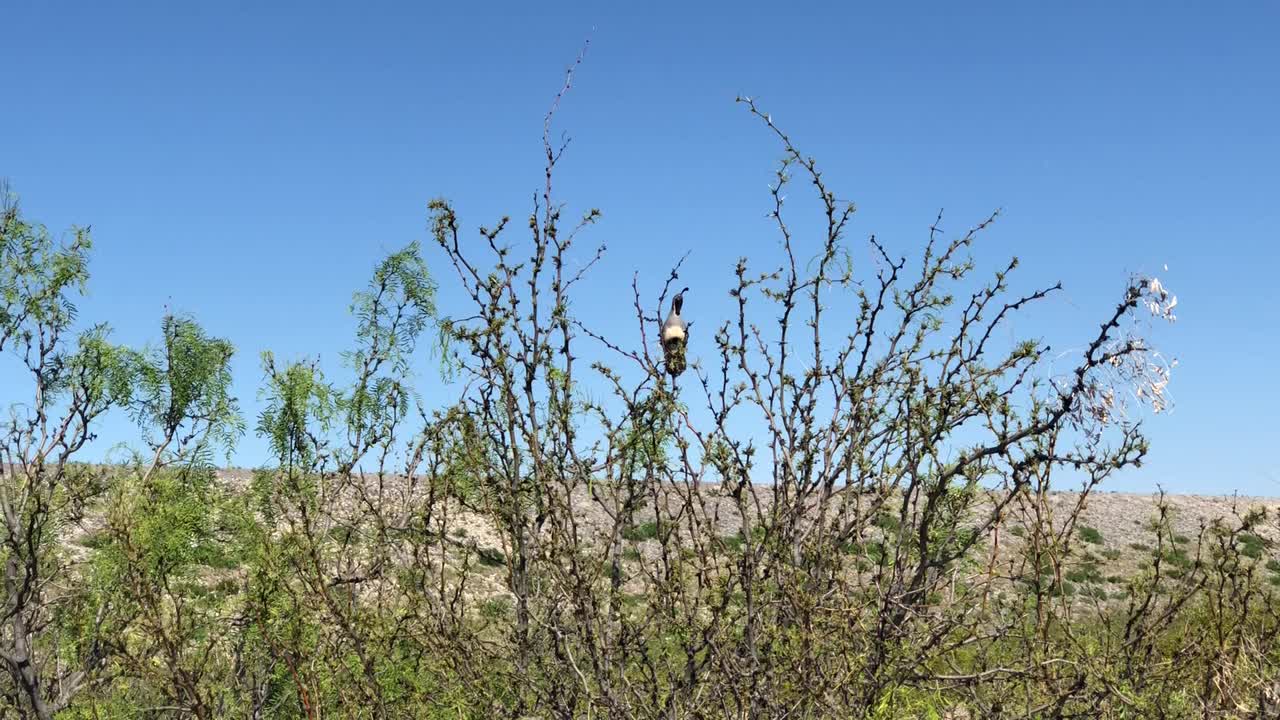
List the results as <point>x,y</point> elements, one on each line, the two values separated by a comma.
<point>250,164</point>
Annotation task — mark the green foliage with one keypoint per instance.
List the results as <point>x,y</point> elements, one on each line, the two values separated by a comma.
<point>391,314</point>
<point>1252,545</point>
<point>733,542</point>
<point>172,523</point>
<point>888,522</point>
<point>874,551</point>
<point>1094,591</point>
<point>37,276</point>
<point>183,399</point>
<point>300,407</point>
<point>646,439</point>
<point>491,557</point>
<point>394,310</point>
<point>496,608</point>
<point>641,532</point>
<point>908,702</point>
<point>1087,573</point>
<point>1178,557</point>
<point>1089,534</point>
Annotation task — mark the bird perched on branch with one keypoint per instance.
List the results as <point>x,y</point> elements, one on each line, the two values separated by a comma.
<point>675,336</point>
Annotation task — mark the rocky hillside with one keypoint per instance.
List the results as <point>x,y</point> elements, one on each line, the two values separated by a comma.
<point>1113,537</point>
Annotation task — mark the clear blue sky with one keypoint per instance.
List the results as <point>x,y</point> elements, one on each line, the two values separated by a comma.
<point>249,165</point>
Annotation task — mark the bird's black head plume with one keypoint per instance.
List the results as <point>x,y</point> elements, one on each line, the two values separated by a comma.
<point>677,302</point>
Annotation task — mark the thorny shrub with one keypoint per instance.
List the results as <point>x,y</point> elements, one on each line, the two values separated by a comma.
<point>843,511</point>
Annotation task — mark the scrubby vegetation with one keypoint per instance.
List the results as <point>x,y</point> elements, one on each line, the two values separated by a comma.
<point>843,511</point>
<point>1090,535</point>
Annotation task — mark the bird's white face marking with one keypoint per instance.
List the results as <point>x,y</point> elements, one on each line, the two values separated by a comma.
<point>672,332</point>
